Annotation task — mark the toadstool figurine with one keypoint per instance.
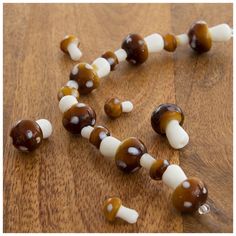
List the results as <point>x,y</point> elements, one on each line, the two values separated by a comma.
<point>168,119</point>
<point>114,107</point>
<point>70,45</point>
<point>27,135</point>
<point>113,208</point>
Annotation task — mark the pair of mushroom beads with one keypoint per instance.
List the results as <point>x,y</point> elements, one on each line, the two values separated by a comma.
<point>27,135</point>
<point>167,119</point>
<point>113,208</point>
<point>70,45</point>
<point>76,115</point>
<point>114,107</point>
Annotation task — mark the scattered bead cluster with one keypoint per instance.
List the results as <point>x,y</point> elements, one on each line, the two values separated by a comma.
<point>129,155</point>
<point>135,49</point>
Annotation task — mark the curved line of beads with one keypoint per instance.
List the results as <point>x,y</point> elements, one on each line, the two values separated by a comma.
<point>189,195</point>
<point>136,49</point>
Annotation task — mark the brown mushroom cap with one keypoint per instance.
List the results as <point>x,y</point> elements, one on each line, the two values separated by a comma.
<point>111,207</point>
<point>199,37</point>
<point>113,107</point>
<point>67,40</point>
<point>163,114</point>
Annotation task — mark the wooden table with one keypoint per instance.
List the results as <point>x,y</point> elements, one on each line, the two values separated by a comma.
<point>61,186</point>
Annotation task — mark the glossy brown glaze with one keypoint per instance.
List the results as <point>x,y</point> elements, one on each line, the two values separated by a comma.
<point>111,58</point>
<point>136,49</point>
<point>190,195</point>
<point>85,76</point>
<point>199,37</point>
<point>111,207</point>
<point>113,107</point>
<point>66,90</point>
<point>77,117</point>
<point>67,40</point>
<point>163,114</point>
<point>158,168</point>
<point>129,153</point>
<point>97,135</point>
<point>170,42</point>
<point>26,135</point>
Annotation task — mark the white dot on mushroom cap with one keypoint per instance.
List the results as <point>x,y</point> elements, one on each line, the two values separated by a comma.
<point>133,151</point>
<point>204,191</point>
<point>74,120</point>
<point>93,121</point>
<point>116,101</point>
<point>75,70</point>
<point>135,169</point>
<point>122,164</point>
<point>38,139</point>
<point>23,148</point>
<point>129,39</point>
<point>29,134</point>
<point>187,204</point>
<point>89,67</point>
<point>89,84</point>
<point>140,42</point>
<point>193,43</point>
<point>102,135</point>
<point>133,61</point>
<point>186,184</point>
<point>109,207</point>
<point>80,104</point>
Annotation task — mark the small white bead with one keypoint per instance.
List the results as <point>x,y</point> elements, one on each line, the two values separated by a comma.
<point>108,147</point>
<point>147,161</point>
<point>127,106</point>
<point>220,33</point>
<point>102,67</point>
<point>45,126</point>
<point>86,131</point>
<point>155,42</point>
<point>72,84</point>
<point>182,39</point>
<point>67,102</point>
<point>173,176</point>
<point>121,55</point>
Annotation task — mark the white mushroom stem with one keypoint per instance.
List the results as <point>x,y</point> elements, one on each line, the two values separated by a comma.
<point>86,131</point>
<point>176,135</point>
<point>147,161</point>
<point>127,106</point>
<point>45,126</point>
<point>182,39</point>
<point>74,51</point>
<point>173,176</point>
<point>155,42</point>
<point>127,214</point>
<point>220,33</point>
<point>67,102</point>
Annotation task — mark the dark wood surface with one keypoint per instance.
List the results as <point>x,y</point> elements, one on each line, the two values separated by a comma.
<point>61,186</point>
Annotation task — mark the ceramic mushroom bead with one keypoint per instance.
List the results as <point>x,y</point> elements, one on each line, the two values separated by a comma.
<point>190,195</point>
<point>97,135</point>
<point>27,135</point>
<point>128,154</point>
<point>168,119</point>
<point>111,58</point>
<point>114,107</point>
<point>113,208</point>
<point>170,42</point>
<point>136,49</point>
<point>76,115</point>
<point>66,90</point>
<point>70,45</point>
<point>199,37</point>
<point>86,77</point>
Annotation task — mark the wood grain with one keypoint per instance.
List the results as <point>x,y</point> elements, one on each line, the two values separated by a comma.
<point>61,187</point>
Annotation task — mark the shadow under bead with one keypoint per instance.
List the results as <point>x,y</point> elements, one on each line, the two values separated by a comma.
<point>85,76</point>
<point>26,135</point>
<point>190,195</point>
<point>128,154</point>
<point>136,49</point>
<point>111,58</point>
<point>199,37</point>
<point>97,135</point>
<point>77,117</point>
